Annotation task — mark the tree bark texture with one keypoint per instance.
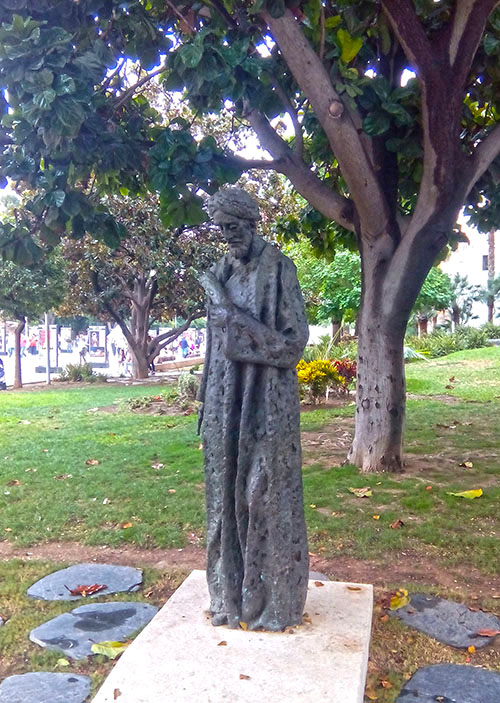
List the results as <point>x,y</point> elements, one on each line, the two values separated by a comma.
<point>380,407</point>
<point>18,382</point>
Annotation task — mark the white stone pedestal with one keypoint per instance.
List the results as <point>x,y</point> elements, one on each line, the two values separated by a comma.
<point>181,658</point>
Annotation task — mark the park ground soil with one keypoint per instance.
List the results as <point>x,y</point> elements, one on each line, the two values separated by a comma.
<point>407,567</point>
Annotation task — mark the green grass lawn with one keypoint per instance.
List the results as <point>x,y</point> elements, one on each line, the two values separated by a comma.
<point>69,472</point>
<point>110,476</point>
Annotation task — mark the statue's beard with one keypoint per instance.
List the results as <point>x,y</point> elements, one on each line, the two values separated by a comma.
<point>240,251</point>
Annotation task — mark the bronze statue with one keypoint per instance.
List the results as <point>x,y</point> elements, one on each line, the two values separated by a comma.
<point>257,560</point>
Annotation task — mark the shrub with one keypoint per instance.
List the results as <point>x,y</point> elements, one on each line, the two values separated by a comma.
<point>188,385</point>
<point>492,331</point>
<point>347,373</point>
<point>319,375</point>
<point>440,343</point>
<point>76,373</point>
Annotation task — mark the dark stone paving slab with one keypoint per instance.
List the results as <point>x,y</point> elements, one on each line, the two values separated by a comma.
<point>44,687</point>
<point>75,632</point>
<point>451,683</point>
<point>449,622</point>
<point>318,576</point>
<point>116,578</point>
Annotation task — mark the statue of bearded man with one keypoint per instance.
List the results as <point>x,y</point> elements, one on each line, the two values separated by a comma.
<point>257,556</point>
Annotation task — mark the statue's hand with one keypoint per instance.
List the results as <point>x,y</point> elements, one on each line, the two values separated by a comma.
<point>219,315</point>
<point>213,288</point>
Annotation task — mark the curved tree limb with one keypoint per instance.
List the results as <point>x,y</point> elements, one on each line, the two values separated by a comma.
<point>410,33</point>
<point>483,156</point>
<point>356,163</point>
<point>321,197</point>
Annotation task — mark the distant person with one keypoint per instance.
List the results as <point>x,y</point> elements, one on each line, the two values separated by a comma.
<point>83,354</point>
<point>184,347</point>
<point>3,385</point>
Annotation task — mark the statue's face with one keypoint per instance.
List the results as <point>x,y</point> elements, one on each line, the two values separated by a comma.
<point>238,233</point>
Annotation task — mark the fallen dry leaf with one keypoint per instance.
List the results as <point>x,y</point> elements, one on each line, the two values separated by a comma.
<point>116,694</point>
<point>111,650</point>
<point>371,695</point>
<point>376,517</point>
<point>365,492</point>
<point>63,477</point>
<point>399,599</point>
<point>397,524</point>
<point>243,625</point>
<point>244,677</point>
<point>470,495</point>
<point>86,590</point>
<point>319,584</point>
<point>354,588</point>
<point>92,462</point>
<point>307,619</point>
<point>126,525</point>
<point>384,618</point>
<point>13,482</point>
<point>467,464</point>
<point>222,643</point>
<point>471,649</point>
<point>488,633</point>
<point>385,683</point>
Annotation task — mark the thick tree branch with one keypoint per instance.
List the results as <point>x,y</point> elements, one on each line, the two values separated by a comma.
<point>160,342</point>
<point>410,33</point>
<point>467,27</point>
<point>483,156</point>
<point>321,197</point>
<point>347,145</point>
<point>112,312</point>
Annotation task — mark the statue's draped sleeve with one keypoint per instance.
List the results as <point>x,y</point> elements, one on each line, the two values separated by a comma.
<point>278,342</point>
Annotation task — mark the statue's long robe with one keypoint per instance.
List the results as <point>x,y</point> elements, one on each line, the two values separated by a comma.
<point>257,556</point>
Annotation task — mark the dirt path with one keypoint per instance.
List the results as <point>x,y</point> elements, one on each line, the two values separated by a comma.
<point>405,567</point>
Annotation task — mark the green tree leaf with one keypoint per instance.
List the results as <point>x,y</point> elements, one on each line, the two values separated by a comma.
<point>376,123</point>
<point>350,46</point>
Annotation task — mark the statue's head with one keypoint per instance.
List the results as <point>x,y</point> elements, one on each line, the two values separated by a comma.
<point>236,212</point>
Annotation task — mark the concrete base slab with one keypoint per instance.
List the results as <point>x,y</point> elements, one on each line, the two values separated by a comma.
<point>181,657</point>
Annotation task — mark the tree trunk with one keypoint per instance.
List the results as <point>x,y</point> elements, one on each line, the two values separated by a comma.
<point>380,410</point>
<point>18,383</point>
<point>423,322</point>
<point>392,275</point>
<point>336,325</point>
<point>140,364</point>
